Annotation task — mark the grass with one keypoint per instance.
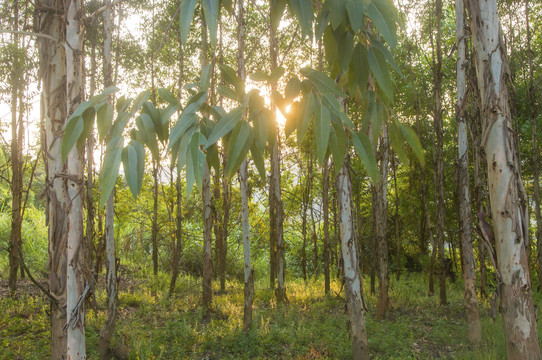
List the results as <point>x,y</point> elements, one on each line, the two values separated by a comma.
<point>311,326</point>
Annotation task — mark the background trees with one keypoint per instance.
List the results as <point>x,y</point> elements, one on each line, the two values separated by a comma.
<point>335,76</point>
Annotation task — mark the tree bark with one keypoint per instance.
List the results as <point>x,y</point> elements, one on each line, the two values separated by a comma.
<point>381,218</point>
<point>352,278</point>
<point>465,221</point>
<point>439,146</point>
<point>510,219</point>
<point>396,221</point>
<point>536,172</point>
<point>53,110</point>
<point>73,182</point>
<point>17,130</point>
<point>154,230</point>
<point>325,214</point>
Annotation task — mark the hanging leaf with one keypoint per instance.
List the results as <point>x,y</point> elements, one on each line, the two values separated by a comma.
<point>304,13</point>
<point>186,120</point>
<point>322,82</point>
<point>110,168</point>
<point>322,127</point>
<point>338,12</point>
<point>184,143</point>
<point>185,18</point>
<point>228,92</point>
<point>379,69</point>
<point>240,143</point>
<point>228,5</point>
<point>338,144</point>
<point>259,76</point>
<point>331,51</point>
<point>345,46</point>
<point>104,119</point>
<point>355,10</point>
<point>413,141</point>
<point>230,76</point>
<point>168,97</point>
<point>335,109</point>
<point>72,131</point>
<point>397,141</point>
<point>225,125</point>
<point>384,24</point>
<point>211,10</point>
<point>258,157</point>
<point>276,74</point>
<point>308,109</point>
<point>322,20</point>
<point>277,10</point>
<point>364,149</point>
<point>88,124</point>
<point>279,102</point>
<point>359,68</point>
<point>129,163</point>
<point>293,87</point>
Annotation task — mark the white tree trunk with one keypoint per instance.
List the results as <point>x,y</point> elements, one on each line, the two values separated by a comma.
<point>352,278</point>
<point>510,220</point>
<point>75,282</point>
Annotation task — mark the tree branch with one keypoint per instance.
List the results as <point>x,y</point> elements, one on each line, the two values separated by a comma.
<point>29,33</point>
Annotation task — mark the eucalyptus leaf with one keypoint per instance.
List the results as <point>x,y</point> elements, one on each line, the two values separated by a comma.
<point>185,18</point>
<point>72,131</point>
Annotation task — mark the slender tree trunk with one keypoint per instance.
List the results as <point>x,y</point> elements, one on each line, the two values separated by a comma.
<point>439,184</point>
<point>277,258</point>
<point>207,204</point>
<point>15,247</point>
<point>75,282</point>
<point>396,221</point>
<point>325,206</point>
<point>536,172</point>
<point>352,278</point>
<point>106,333</point>
<point>465,221</point>
<point>381,217</point>
<point>53,110</point>
<point>510,220</point>
<point>304,207</point>
<point>154,231</point>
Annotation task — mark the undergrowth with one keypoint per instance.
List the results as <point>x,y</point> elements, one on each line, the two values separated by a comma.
<point>311,325</point>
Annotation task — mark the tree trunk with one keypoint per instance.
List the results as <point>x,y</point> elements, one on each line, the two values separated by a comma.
<point>510,220</point>
<point>353,287</point>
<point>178,246</point>
<point>536,172</point>
<point>381,217</point>
<point>304,207</point>
<point>465,221</point>
<point>154,231</point>
<point>15,247</point>
<point>396,221</point>
<point>73,182</point>
<point>325,206</point>
<point>106,333</point>
<point>439,184</point>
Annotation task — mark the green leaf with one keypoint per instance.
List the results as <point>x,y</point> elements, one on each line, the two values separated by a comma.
<point>150,136</point>
<point>322,128</point>
<point>168,97</point>
<point>345,46</point>
<point>276,74</point>
<point>355,10</point>
<point>304,13</point>
<point>184,143</point>
<point>259,76</point>
<point>309,105</point>
<point>104,119</point>
<point>258,157</point>
<point>205,79</point>
<point>211,10</point>
<point>129,163</point>
<point>88,121</point>
<point>359,68</point>
<point>336,110</point>
<point>279,102</point>
<point>338,144</point>
<point>72,131</point>
<point>185,18</point>
<point>413,141</point>
<point>139,101</point>
<point>81,108</point>
<point>383,23</point>
<point>225,125</point>
<point>397,141</point>
<point>331,51</point>
<point>228,92</point>
<point>322,20</point>
<point>380,71</point>
<point>230,76</point>
<point>364,149</point>
<point>322,82</point>
<point>338,12</point>
<point>293,87</point>
<point>277,10</point>
<point>110,167</point>
<point>186,120</point>
<point>240,143</point>
<point>228,5</point>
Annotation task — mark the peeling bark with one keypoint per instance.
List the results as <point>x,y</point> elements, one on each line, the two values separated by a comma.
<point>471,298</point>
<point>509,213</point>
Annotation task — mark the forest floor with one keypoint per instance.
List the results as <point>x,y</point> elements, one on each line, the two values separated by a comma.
<point>311,326</point>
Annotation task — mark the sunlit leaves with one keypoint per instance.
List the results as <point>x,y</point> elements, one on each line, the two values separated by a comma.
<point>322,82</point>
<point>225,125</point>
<point>133,162</point>
<point>304,13</point>
<point>185,18</point>
<point>211,11</point>
<point>110,168</point>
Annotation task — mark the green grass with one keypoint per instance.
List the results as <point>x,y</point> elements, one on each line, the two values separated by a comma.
<point>310,326</point>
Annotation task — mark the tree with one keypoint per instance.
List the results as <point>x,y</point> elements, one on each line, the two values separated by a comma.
<point>510,221</point>
<point>471,298</point>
